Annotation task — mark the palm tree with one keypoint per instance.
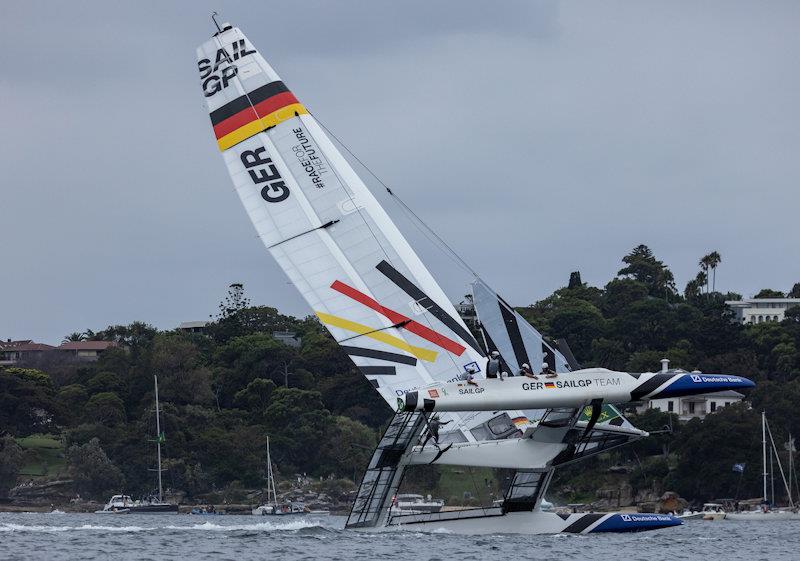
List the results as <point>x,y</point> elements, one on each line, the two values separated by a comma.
<point>714,259</point>
<point>705,264</point>
<point>76,336</point>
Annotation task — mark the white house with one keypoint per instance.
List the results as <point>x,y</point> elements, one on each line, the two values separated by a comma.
<point>693,406</point>
<point>760,310</point>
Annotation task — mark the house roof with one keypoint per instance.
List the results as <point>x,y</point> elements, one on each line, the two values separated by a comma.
<point>192,324</point>
<point>24,345</point>
<point>86,345</point>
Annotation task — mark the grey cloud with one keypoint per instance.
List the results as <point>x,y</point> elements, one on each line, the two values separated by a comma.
<point>538,138</point>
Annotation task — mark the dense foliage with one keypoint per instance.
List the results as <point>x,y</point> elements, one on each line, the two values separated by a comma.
<point>224,391</point>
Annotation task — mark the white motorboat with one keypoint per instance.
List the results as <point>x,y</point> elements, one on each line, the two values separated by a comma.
<point>710,511</point>
<point>418,503</point>
<point>118,504</point>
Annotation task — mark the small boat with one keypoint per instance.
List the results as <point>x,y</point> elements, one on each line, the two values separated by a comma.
<point>710,511</point>
<point>764,514</point>
<point>281,509</point>
<point>285,508</point>
<point>418,503</point>
<point>206,511</point>
<point>118,504</point>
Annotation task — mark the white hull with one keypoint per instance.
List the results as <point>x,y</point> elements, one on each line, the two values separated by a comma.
<point>575,389</point>
<point>758,516</point>
<point>531,523</point>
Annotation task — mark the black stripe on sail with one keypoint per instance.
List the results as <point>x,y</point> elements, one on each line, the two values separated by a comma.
<point>650,386</point>
<point>241,103</point>
<point>378,370</point>
<point>512,328</point>
<point>380,355</point>
<point>584,522</point>
<point>423,300</point>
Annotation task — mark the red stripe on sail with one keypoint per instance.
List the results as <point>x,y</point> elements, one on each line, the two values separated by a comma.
<point>250,114</point>
<point>418,329</point>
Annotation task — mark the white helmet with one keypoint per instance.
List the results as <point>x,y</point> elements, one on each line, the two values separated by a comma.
<point>525,365</point>
<point>495,353</point>
<point>545,365</point>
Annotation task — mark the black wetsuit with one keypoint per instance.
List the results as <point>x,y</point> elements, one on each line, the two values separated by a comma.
<point>493,368</point>
<point>433,431</point>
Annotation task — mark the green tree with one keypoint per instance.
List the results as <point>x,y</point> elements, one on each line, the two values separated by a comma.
<point>299,422</point>
<point>769,293</point>
<point>94,474</point>
<point>642,266</point>
<point>183,377</point>
<point>27,402</point>
<point>621,293</point>
<point>708,449</point>
<point>105,408</point>
<point>348,447</point>
<point>10,463</point>
<point>795,291</point>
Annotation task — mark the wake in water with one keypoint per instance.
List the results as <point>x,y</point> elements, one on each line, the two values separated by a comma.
<point>292,526</point>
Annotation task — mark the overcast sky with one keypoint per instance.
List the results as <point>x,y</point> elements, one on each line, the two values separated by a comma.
<point>537,137</point>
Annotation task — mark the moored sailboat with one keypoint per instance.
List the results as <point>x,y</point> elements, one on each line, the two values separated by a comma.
<point>767,512</point>
<point>153,504</point>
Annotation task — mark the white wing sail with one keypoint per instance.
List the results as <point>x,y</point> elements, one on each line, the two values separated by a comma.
<point>327,231</point>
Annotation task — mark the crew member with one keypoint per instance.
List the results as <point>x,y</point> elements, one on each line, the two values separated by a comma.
<point>493,367</point>
<point>526,371</point>
<point>548,372</point>
<point>433,430</point>
<point>469,376</point>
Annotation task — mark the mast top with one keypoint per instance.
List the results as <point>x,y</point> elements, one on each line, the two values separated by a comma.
<point>224,27</point>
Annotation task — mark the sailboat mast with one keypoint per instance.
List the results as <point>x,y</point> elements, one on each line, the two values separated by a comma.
<point>270,478</point>
<point>158,441</point>
<point>764,451</point>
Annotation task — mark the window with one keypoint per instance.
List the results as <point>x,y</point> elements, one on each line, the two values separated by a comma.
<point>713,406</point>
<point>691,407</point>
<point>670,406</point>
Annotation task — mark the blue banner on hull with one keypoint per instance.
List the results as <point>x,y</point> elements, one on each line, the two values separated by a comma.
<point>691,384</point>
<point>636,522</point>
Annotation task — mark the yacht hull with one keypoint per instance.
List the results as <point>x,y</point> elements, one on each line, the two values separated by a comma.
<point>530,523</point>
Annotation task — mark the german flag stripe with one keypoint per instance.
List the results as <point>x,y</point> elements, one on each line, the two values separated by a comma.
<point>406,323</point>
<point>250,114</point>
<point>247,101</point>
<point>520,420</point>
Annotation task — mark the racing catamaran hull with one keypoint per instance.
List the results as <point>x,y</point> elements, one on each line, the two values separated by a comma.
<point>493,521</point>
<point>574,389</point>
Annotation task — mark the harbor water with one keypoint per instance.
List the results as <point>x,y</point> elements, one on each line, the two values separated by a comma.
<point>240,538</point>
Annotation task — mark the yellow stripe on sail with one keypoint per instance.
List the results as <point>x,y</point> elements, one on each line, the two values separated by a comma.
<point>254,127</point>
<point>366,331</point>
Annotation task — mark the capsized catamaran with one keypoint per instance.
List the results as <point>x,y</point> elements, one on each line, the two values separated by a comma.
<point>366,284</point>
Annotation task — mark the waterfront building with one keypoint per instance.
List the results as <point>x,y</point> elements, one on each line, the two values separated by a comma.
<point>761,310</point>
